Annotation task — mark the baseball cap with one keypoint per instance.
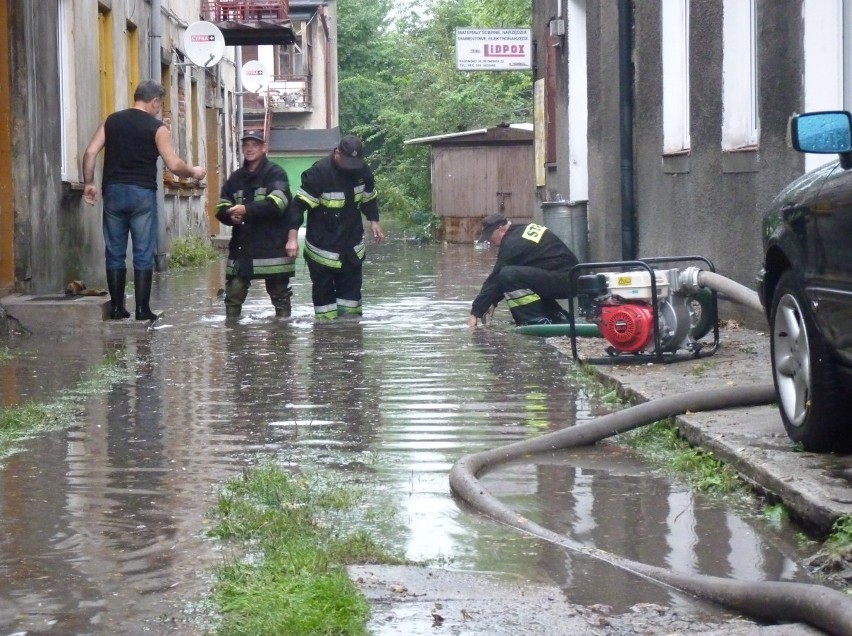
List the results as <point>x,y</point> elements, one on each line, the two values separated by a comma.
<point>257,135</point>
<point>351,156</point>
<point>489,224</point>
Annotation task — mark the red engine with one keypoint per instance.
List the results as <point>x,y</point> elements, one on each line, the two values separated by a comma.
<point>629,327</point>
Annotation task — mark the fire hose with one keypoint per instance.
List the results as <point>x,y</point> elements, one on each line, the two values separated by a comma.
<point>817,605</point>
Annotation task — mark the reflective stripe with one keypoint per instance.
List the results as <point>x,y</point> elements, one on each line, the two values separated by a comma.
<point>265,266</point>
<point>349,306</point>
<point>369,196</point>
<point>310,200</point>
<point>360,250</point>
<point>521,297</point>
<point>323,257</point>
<point>333,199</point>
<point>325,312</point>
<point>278,198</point>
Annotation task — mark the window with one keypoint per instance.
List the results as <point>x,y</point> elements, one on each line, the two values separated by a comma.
<point>675,32</point>
<point>69,159</point>
<point>740,118</point>
<point>132,41</point>
<point>824,68</point>
<point>107,72</point>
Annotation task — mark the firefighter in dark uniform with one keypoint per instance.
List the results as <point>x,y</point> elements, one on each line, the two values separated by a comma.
<point>531,273</point>
<point>335,192</point>
<point>255,201</point>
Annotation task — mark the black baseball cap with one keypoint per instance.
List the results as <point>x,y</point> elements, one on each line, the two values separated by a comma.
<point>489,224</point>
<point>350,153</point>
<point>257,135</point>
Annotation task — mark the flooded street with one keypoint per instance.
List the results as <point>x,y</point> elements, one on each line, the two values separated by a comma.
<point>101,525</point>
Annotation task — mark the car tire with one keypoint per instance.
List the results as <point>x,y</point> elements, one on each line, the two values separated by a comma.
<point>809,398</point>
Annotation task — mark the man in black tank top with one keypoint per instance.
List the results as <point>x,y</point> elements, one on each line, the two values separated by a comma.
<point>134,139</point>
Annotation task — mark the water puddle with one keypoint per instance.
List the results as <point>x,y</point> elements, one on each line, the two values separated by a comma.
<point>101,525</point>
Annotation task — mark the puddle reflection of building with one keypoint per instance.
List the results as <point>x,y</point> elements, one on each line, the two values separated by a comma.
<point>137,463</point>
<point>342,394</point>
<point>624,510</point>
<point>261,381</point>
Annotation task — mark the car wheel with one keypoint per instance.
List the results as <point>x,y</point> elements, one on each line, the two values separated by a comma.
<point>804,372</point>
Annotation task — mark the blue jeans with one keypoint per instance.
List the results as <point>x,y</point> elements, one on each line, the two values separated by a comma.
<point>129,209</point>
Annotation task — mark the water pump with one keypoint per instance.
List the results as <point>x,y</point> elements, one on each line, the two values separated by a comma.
<point>644,310</point>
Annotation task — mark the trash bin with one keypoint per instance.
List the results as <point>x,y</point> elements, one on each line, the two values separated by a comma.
<point>570,222</point>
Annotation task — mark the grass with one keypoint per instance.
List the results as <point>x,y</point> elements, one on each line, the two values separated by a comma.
<point>22,421</point>
<point>297,534</point>
<point>661,444</point>
<point>192,252</point>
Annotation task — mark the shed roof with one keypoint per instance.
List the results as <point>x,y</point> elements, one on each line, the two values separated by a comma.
<point>506,132</point>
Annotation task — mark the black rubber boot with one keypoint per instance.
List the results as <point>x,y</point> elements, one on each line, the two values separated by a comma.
<point>142,281</point>
<point>116,279</point>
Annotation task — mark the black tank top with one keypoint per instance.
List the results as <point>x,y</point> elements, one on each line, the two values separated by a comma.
<point>130,155</point>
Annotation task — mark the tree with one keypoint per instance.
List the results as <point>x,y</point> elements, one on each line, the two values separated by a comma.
<point>398,81</point>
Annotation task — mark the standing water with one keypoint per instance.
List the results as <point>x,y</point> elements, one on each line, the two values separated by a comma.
<point>102,524</point>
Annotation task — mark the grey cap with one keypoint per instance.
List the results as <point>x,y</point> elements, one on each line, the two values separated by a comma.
<point>489,224</point>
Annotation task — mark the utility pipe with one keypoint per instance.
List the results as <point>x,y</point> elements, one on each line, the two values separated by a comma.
<point>625,87</point>
<point>819,606</point>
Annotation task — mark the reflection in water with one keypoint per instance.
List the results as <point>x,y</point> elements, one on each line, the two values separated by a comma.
<point>101,526</point>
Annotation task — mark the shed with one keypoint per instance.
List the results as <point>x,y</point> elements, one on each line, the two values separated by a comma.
<point>478,172</point>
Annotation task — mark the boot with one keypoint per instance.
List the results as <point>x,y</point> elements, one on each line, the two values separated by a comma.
<point>142,281</point>
<point>232,312</point>
<point>116,279</point>
<point>283,307</point>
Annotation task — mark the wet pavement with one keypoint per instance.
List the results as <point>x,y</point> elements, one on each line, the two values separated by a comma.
<point>102,524</point>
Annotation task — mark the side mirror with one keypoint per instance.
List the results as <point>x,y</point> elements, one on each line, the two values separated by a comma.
<point>827,132</point>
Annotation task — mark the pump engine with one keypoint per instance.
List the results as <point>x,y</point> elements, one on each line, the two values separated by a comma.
<point>622,305</point>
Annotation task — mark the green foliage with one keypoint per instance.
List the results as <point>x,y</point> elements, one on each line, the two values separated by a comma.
<point>192,252</point>
<point>398,81</point>
<point>293,529</point>
<point>841,534</point>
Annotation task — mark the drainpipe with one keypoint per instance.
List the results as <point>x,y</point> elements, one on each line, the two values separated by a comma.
<point>324,20</point>
<point>625,83</point>
<point>156,41</point>
<point>156,74</point>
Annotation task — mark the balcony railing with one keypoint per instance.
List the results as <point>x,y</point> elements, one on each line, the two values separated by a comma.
<point>246,10</point>
<point>284,93</point>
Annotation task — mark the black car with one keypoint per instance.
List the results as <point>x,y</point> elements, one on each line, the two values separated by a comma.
<point>806,288</point>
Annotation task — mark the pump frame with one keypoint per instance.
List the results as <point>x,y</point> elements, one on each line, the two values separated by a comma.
<point>658,355</point>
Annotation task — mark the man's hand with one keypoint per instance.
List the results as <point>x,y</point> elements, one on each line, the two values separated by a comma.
<point>198,172</point>
<point>292,247</point>
<point>377,231</point>
<point>237,214</point>
<point>90,193</point>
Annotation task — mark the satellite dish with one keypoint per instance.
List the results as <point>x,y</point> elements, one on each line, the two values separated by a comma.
<point>255,76</point>
<point>203,43</point>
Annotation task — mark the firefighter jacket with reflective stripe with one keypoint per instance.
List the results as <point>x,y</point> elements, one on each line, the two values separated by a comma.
<point>531,245</point>
<point>334,200</point>
<point>258,244</point>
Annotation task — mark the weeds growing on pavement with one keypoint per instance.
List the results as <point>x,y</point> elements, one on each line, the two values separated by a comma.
<point>661,443</point>
<point>192,252</point>
<point>21,421</point>
<point>840,539</point>
<point>297,536</point>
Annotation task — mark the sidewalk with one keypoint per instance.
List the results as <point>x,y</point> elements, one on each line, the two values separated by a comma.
<point>817,489</point>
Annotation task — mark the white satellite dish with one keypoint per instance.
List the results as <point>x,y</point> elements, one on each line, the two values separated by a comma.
<point>203,43</point>
<point>255,76</point>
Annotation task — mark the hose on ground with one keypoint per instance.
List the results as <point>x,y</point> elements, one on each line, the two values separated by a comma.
<point>816,605</point>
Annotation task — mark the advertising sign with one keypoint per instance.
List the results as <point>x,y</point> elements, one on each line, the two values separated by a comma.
<point>493,49</point>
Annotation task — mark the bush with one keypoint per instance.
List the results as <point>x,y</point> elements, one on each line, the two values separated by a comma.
<point>192,252</point>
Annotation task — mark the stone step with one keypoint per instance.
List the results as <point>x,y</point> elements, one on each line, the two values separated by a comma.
<point>60,312</point>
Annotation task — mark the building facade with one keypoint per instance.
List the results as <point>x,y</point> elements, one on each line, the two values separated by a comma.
<point>666,121</point>
<point>65,65</point>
